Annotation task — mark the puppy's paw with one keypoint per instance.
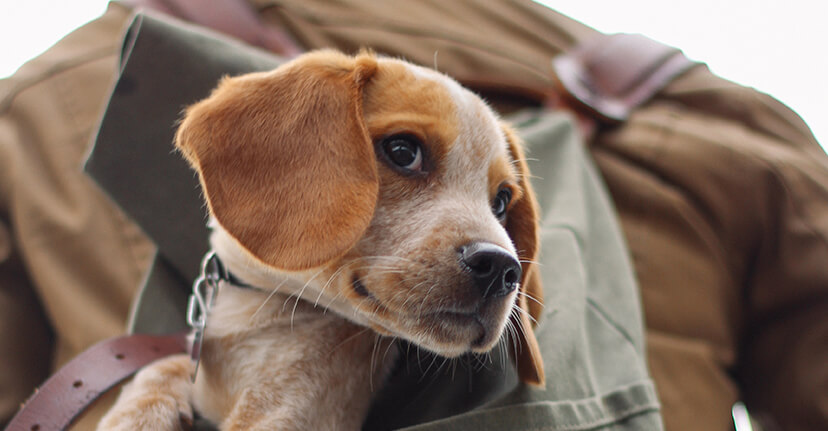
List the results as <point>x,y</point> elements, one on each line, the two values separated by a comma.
<point>162,413</point>
<point>158,398</point>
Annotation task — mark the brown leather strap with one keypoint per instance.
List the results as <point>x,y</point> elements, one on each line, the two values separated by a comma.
<point>81,381</point>
<point>607,77</point>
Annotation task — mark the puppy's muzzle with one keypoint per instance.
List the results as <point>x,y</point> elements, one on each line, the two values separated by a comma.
<point>494,271</point>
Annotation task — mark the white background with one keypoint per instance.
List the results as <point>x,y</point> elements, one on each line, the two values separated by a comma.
<point>777,46</point>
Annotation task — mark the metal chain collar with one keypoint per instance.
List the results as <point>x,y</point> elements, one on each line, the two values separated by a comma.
<point>205,289</point>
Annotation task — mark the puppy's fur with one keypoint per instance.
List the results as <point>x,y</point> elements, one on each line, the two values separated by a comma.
<point>347,248</point>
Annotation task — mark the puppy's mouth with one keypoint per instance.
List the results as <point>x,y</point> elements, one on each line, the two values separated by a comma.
<point>465,320</point>
<point>451,331</point>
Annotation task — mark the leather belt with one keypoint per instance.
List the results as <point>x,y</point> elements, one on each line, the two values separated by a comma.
<point>605,78</point>
<point>74,387</point>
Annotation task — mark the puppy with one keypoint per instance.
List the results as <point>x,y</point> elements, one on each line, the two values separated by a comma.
<point>364,199</point>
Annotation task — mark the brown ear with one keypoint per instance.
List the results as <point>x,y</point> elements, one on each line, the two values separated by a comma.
<point>285,159</point>
<point>522,225</point>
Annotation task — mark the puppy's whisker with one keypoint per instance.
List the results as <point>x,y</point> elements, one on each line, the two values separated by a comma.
<point>502,345</point>
<point>373,364</point>
<point>386,257</point>
<point>346,340</point>
<point>514,332</point>
<point>425,300</point>
<point>442,365</point>
<point>522,311</point>
<point>520,323</point>
<point>409,296</point>
<point>385,270</point>
<point>478,363</point>
<point>412,298</point>
<point>331,302</point>
<point>485,360</point>
<point>360,309</point>
<point>268,298</point>
<point>430,364</point>
<point>365,265</point>
<point>299,295</point>
<point>513,337</point>
<point>330,280</point>
<point>509,338</point>
<point>392,342</point>
<point>434,359</point>
<point>419,360</point>
<point>393,299</point>
<point>381,262</point>
<point>531,298</point>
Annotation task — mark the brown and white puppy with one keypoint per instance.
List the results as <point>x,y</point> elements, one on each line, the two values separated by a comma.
<point>367,199</point>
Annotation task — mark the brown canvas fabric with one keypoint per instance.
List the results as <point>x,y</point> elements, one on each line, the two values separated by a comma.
<point>72,261</point>
<point>722,193</point>
<point>500,48</point>
<point>724,208</point>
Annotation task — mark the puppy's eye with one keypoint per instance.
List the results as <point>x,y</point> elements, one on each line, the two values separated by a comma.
<point>404,151</point>
<point>501,203</point>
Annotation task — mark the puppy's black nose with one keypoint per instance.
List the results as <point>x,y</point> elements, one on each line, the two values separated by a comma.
<point>495,271</point>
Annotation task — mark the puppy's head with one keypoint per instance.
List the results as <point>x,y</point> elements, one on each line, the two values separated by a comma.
<point>395,183</point>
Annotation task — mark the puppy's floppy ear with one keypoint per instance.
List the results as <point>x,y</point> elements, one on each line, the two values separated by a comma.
<point>522,225</point>
<point>285,159</point>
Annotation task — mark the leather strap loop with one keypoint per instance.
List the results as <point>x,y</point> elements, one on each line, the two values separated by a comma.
<point>81,381</point>
<point>607,77</point>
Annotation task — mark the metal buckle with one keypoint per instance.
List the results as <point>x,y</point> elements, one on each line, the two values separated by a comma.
<point>205,289</point>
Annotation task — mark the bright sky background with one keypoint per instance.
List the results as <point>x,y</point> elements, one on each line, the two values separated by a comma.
<point>778,47</point>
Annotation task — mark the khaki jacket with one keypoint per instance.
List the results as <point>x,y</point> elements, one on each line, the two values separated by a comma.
<point>721,192</point>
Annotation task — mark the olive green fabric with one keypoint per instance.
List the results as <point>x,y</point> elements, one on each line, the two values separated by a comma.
<point>591,333</point>
<point>166,67</point>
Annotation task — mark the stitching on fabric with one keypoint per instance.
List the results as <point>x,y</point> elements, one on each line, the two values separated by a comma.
<point>601,423</point>
<point>650,404</point>
<point>624,414</point>
<point>598,309</point>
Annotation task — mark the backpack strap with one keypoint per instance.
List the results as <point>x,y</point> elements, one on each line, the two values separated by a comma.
<point>77,384</point>
<point>605,78</point>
